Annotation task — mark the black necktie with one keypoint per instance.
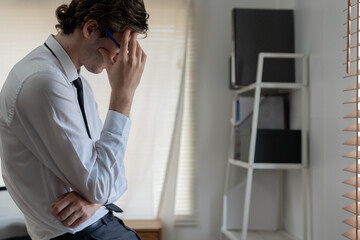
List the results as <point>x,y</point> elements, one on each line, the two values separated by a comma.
<point>80,95</point>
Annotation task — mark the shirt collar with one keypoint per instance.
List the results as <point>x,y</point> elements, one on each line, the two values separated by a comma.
<point>64,59</point>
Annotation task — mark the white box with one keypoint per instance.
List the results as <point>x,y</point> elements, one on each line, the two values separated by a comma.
<point>271,112</point>
<point>264,204</point>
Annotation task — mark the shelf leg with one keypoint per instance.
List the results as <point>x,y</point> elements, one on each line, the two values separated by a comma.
<point>304,200</point>
<point>227,175</point>
<point>227,179</point>
<point>305,155</point>
<point>247,203</point>
<point>254,125</point>
<point>307,204</point>
<point>224,220</point>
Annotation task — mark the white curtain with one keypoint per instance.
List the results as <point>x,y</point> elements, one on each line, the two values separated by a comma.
<point>25,25</point>
<point>185,195</point>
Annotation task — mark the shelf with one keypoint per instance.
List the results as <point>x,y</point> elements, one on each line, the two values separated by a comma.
<point>258,235</point>
<point>257,90</point>
<point>243,164</point>
<point>269,88</point>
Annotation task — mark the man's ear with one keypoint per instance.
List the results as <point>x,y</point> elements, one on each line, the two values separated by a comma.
<point>89,29</point>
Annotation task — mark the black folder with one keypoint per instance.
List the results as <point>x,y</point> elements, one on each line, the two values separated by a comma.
<point>260,30</point>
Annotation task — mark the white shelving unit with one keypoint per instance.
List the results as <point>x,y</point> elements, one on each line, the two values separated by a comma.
<point>258,89</point>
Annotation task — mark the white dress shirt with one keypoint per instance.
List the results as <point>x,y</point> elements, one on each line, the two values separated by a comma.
<point>45,149</point>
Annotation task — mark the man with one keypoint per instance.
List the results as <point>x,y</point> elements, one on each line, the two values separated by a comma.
<point>61,166</point>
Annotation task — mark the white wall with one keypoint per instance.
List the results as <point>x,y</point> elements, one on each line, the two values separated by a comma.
<point>319,33</point>
<point>213,103</point>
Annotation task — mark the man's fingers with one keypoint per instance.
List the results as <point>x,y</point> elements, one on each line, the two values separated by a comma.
<point>59,199</point>
<point>140,55</point>
<point>60,204</point>
<point>78,222</point>
<point>133,45</point>
<point>62,197</point>
<point>143,58</point>
<point>106,56</point>
<point>71,219</point>
<point>66,213</point>
<point>138,50</point>
<point>124,43</point>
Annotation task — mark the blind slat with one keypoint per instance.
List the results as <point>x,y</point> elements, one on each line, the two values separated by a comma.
<point>353,100</point>
<point>351,195</point>
<point>351,181</point>
<point>351,221</point>
<point>352,128</point>
<point>352,141</point>
<point>352,74</point>
<point>352,208</point>
<point>353,114</point>
<point>352,155</point>
<point>353,87</point>
<point>350,234</point>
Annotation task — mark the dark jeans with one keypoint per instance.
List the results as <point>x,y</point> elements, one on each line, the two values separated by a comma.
<point>107,228</point>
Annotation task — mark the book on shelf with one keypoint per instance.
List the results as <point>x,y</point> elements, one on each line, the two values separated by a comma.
<point>272,115</point>
<point>235,112</point>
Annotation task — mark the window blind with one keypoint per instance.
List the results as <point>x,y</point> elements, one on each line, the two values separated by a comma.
<point>352,73</point>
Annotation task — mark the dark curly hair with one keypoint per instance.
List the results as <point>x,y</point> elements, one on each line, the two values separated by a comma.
<point>115,15</point>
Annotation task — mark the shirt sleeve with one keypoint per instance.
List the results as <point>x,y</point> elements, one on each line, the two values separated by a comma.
<point>50,115</point>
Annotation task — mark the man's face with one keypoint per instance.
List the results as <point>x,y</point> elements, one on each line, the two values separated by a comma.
<point>93,60</point>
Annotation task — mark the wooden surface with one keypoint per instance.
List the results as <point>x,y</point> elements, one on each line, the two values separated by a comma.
<point>146,229</point>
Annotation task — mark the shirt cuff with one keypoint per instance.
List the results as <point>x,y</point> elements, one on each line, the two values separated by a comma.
<point>116,122</point>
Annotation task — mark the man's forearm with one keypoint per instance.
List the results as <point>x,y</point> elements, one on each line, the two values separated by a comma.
<point>121,102</point>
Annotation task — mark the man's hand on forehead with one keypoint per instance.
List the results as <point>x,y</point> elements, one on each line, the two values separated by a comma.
<point>125,71</point>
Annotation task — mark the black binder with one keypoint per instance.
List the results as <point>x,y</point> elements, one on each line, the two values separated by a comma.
<point>259,30</point>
